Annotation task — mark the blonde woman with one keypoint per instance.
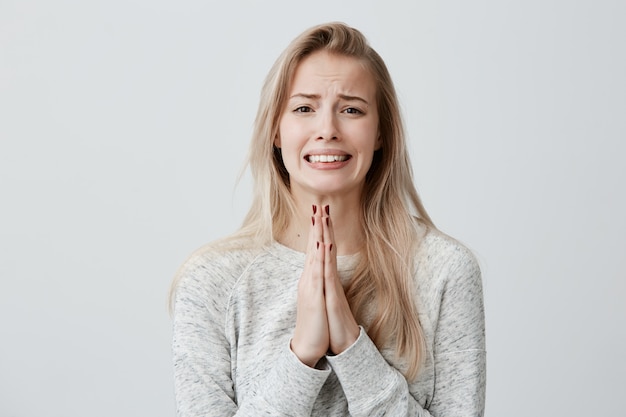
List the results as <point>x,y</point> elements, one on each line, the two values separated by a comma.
<point>337,296</point>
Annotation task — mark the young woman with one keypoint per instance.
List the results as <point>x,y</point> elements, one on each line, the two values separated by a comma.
<point>337,296</point>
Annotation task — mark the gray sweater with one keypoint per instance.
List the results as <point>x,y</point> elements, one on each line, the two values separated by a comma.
<point>235,314</point>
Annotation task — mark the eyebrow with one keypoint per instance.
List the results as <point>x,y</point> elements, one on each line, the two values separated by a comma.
<point>341,96</point>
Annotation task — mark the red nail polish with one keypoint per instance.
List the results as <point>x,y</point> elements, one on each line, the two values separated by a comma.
<point>314,209</point>
<point>327,218</point>
<point>331,248</point>
<point>313,220</point>
<point>327,208</point>
<point>318,245</point>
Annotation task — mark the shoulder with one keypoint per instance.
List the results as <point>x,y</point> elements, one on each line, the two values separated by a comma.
<point>443,264</point>
<point>212,271</point>
<point>449,285</point>
<point>440,252</point>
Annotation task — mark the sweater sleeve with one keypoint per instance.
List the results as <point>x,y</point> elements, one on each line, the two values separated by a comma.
<point>459,346</point>
<point>375,388</point>
<point>202,358</point>
<point>372,386</point>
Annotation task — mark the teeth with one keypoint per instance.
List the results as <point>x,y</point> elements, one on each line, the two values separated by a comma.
<point>327,158</point>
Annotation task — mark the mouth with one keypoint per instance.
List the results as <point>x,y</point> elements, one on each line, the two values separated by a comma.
<point>327,158</point>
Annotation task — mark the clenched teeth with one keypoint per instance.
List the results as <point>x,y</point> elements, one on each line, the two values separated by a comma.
<point>327,158</point>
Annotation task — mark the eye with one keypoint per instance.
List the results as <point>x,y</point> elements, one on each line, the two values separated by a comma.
<point>353,110</point>
<point>303,109</point>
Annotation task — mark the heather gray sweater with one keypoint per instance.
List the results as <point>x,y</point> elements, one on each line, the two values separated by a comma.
<point>235,314</point>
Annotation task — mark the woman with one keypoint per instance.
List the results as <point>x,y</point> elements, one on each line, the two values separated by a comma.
<point>337,296</point>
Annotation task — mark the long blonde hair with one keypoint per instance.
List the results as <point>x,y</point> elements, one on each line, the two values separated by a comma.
<point>381,291</point>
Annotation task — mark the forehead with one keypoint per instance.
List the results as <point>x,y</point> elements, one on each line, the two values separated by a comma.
<point>324,70</point>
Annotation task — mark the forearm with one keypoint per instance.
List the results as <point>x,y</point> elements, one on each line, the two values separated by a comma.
<point>372,386</point>
<point>204,386</point>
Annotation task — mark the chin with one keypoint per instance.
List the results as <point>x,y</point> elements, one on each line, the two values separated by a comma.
<point>334,189</point>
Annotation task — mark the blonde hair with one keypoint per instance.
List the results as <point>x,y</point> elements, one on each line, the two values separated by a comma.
<point>381,292</point>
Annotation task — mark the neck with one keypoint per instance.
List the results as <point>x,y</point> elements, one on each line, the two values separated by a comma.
<point>346,218</point>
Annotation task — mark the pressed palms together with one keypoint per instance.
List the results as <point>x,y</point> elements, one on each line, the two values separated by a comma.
<point>324,321</point>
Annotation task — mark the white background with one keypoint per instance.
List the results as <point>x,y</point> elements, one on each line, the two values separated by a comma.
<point>123,125</point>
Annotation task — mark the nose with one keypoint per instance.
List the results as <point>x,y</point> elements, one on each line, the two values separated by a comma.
<point>327,129</point>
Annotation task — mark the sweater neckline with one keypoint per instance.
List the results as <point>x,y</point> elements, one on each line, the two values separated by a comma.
<point>345,263</point>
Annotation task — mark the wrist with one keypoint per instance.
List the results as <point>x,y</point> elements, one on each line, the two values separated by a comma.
<point>308,359</point>
<point>350,339</point>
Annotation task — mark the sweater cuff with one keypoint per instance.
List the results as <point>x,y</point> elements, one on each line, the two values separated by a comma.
<point>363,372</point>
<point>293,386</point>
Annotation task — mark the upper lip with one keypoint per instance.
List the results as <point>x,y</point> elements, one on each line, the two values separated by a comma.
<point>326,152</point>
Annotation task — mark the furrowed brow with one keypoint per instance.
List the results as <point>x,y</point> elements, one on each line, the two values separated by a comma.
<point>353,98</point>
<point>308,96</point>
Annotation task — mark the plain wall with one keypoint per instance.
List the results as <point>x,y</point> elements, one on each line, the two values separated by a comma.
<point>123,126</point>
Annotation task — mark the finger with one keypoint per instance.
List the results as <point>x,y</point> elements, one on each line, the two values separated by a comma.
<point>318,234</point>
<point>314,264</point>
<point>329,232</point>
<point>317,227</point>
<point>314,234</point>
<point>330,252</point>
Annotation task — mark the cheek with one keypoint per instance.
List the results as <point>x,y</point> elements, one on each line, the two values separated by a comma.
<point>279,135</point>
<point>370,138</point>
<point>287,145</point>
<point>379,142</point>
<point>285,133</point>
<point>291,136</point>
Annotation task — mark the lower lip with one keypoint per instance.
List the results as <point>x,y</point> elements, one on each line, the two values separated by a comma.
<point>327,165</point>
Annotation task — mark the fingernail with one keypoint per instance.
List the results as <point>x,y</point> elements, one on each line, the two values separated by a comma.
<point>313,220</point>
<point>314,209</point>
<point>331,248</point>
<point>318,245</point>
<point>327,208</point>
<point>327,218</point>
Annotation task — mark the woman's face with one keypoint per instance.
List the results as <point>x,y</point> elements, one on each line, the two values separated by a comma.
<point>328,130</point>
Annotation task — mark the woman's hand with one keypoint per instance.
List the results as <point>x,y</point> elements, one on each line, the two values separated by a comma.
<point>311,337</point>
<point>324,321</point>
<point>342,326</point>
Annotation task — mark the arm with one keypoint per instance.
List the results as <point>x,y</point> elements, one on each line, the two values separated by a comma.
<point>375,388</point>
<point>202,357</point>
<point>459,345</point>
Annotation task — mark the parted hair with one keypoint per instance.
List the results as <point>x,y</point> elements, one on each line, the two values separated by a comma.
<point>381,292</point>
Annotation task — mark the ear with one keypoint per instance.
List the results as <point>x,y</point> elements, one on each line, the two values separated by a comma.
<point>277,141</point>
